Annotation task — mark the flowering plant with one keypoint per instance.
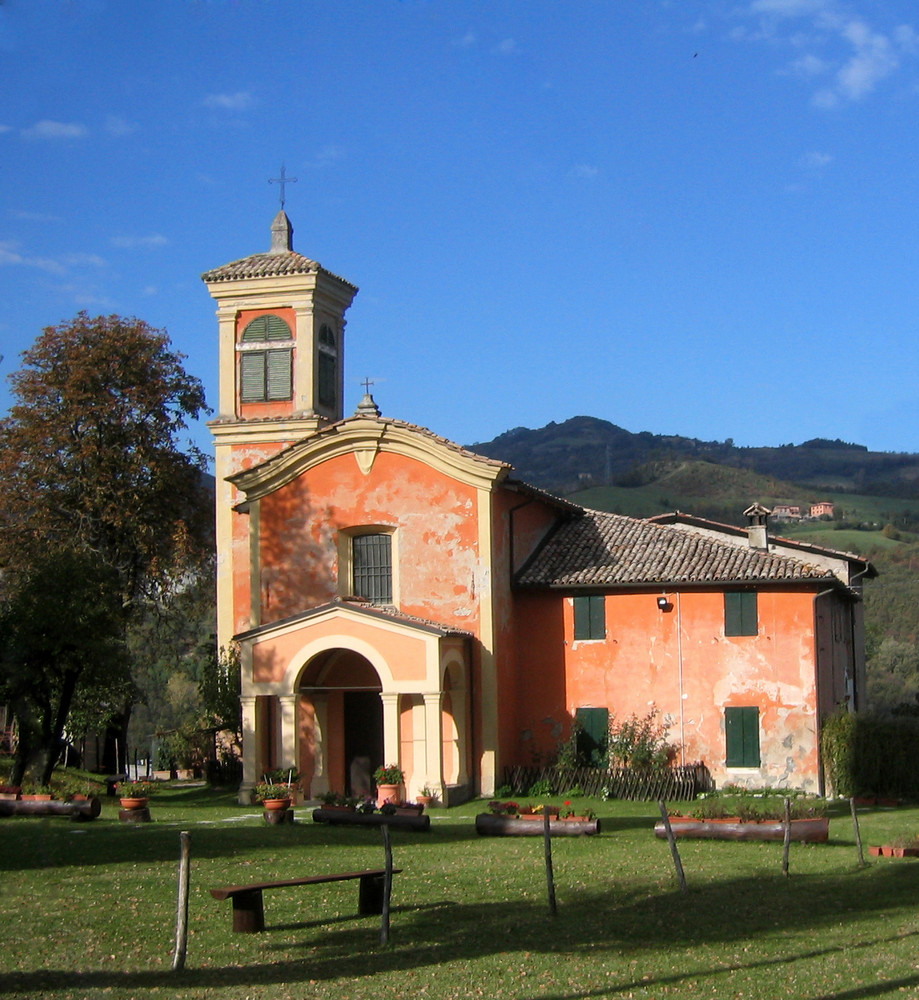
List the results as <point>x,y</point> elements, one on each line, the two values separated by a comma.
<point>135,789</point>
<point>498,808</point>
<point>389,774</point>
<point>266,790</point>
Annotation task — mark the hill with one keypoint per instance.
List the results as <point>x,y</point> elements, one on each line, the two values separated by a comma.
<point>584,451</point>
<point>876,497</point>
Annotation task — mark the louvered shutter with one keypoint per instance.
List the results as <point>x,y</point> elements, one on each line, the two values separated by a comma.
<point>280,370</point>
<point>252,376</point>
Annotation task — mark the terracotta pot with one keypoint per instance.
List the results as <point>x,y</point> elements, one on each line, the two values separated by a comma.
<point>388,793</point>
<point>424,800</point>
<point>134,802</point>
<point>276,804</point>
<point>894,852</point>
<point>37,797</point>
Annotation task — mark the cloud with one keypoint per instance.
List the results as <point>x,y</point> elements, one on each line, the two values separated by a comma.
<point>832,42</point>
<point>816,161</point>
<point>10,256</point>
<point>328,155</point>
<point>5,128</point>
<point>584,170</point>
<point>24,216</point>
<point>239,101</point>
<point>467,41</point>
<point>133,242</point>
<point>874,59</point>
<point>47,129</point>
<point>117,126</point>
<point>506,47</point>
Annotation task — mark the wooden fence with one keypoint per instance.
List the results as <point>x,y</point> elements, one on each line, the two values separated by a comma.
<point>675,784</point>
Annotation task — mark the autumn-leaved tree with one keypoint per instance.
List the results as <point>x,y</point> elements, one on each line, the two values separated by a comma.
<point>94,464</point>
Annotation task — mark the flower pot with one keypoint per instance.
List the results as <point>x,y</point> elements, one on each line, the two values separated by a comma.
<point>894,852</point>
<point>275,805</point>
<point>424,800</point>
<point>132,802</point>
<point>388,793</point>
<point>37,797</point>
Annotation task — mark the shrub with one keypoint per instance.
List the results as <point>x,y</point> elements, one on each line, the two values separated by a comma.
<point>871,755</point>
<point>641,743</point>
<point>540,788</point>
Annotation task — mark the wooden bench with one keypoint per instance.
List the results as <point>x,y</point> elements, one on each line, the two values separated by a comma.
<point>249,910</point>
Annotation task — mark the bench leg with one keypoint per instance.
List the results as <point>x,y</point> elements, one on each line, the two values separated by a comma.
<point>248,912</point>
<point>370,900</point>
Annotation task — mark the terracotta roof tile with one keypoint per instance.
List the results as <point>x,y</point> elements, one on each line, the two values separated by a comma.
<point>266,265</point>
<point>609,550</point>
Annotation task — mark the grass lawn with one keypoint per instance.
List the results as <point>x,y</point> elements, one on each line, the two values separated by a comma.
<point>89,910</point>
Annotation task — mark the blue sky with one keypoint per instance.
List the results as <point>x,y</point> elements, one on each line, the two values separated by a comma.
<point>695,218</point>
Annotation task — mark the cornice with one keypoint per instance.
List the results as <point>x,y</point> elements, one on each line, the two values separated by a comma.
<point>365,438</point>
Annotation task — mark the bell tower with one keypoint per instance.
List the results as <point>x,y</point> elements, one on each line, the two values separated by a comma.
<point>281,335</point>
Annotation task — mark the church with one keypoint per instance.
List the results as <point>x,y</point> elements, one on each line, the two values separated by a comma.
<point>396,598</point>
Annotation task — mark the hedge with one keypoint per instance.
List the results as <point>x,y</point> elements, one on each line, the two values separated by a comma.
<point>865,754</point>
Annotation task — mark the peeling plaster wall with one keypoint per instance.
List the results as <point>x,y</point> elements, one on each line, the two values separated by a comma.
<point>439,569</point>
<point>680,662</point>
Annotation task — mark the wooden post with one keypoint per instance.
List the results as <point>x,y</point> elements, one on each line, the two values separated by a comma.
<point>786,824</point>
<point>858,833</point>
<point>550,878</point>
<point>677,864</point>
<point>387,884</point>
<point>178,958</point>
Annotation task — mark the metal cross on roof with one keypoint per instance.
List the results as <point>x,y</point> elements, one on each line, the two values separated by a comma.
<point>282,180</point>
<point>367,383</point>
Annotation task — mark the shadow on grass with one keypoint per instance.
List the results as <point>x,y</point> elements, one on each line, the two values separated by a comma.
<point>614,918</point>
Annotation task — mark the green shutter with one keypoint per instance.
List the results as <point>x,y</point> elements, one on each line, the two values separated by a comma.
<point>590,617</point>
<point>741,731</point>
<point>252,376</point>
<point>266,328</point>
<point>280,371</point>
<point>740,613</point>
<point>598,617</point>
<point>326,394</point>
<point>593,734</point>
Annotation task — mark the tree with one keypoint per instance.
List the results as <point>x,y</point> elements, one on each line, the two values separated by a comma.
<point>91,461</point>
<point>60,634</point>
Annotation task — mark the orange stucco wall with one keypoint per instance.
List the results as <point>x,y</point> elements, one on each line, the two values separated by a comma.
<point>680,662</point>
<point>434,546</point>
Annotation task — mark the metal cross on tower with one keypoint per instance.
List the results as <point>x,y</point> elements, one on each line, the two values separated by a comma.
<point>282,180</point>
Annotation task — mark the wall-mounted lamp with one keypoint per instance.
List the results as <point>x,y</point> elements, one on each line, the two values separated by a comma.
<point>663,603</point>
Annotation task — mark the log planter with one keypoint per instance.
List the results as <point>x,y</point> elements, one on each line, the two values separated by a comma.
<point>336,817</point>
<point>79,810</point>
<point>806,831</point>
<point>489,825</point>
<point>894,852</point>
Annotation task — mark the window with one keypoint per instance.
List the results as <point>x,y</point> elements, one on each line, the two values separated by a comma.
<point>593,735</point>
<point>265,373</point>
<point>371,567</point>
<point>741,734</point>
<point>740,617</point>
<point>590,617</point>
<point>327,369</point>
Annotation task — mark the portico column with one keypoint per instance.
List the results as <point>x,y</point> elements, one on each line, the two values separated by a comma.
<point>433,742</point>
<point>288,750</point>
<point>320,782</point>
<point>250,742</point>
<point>391,736</point>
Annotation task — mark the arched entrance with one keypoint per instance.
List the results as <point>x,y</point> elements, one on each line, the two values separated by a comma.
<point>342,722</point>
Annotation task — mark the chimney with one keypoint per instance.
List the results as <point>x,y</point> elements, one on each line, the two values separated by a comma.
<point>757,517</point>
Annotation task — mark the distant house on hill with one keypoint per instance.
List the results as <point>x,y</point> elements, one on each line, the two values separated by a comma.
<point>397,598</point>
<point>824,508</point>
<point>786,512</point>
